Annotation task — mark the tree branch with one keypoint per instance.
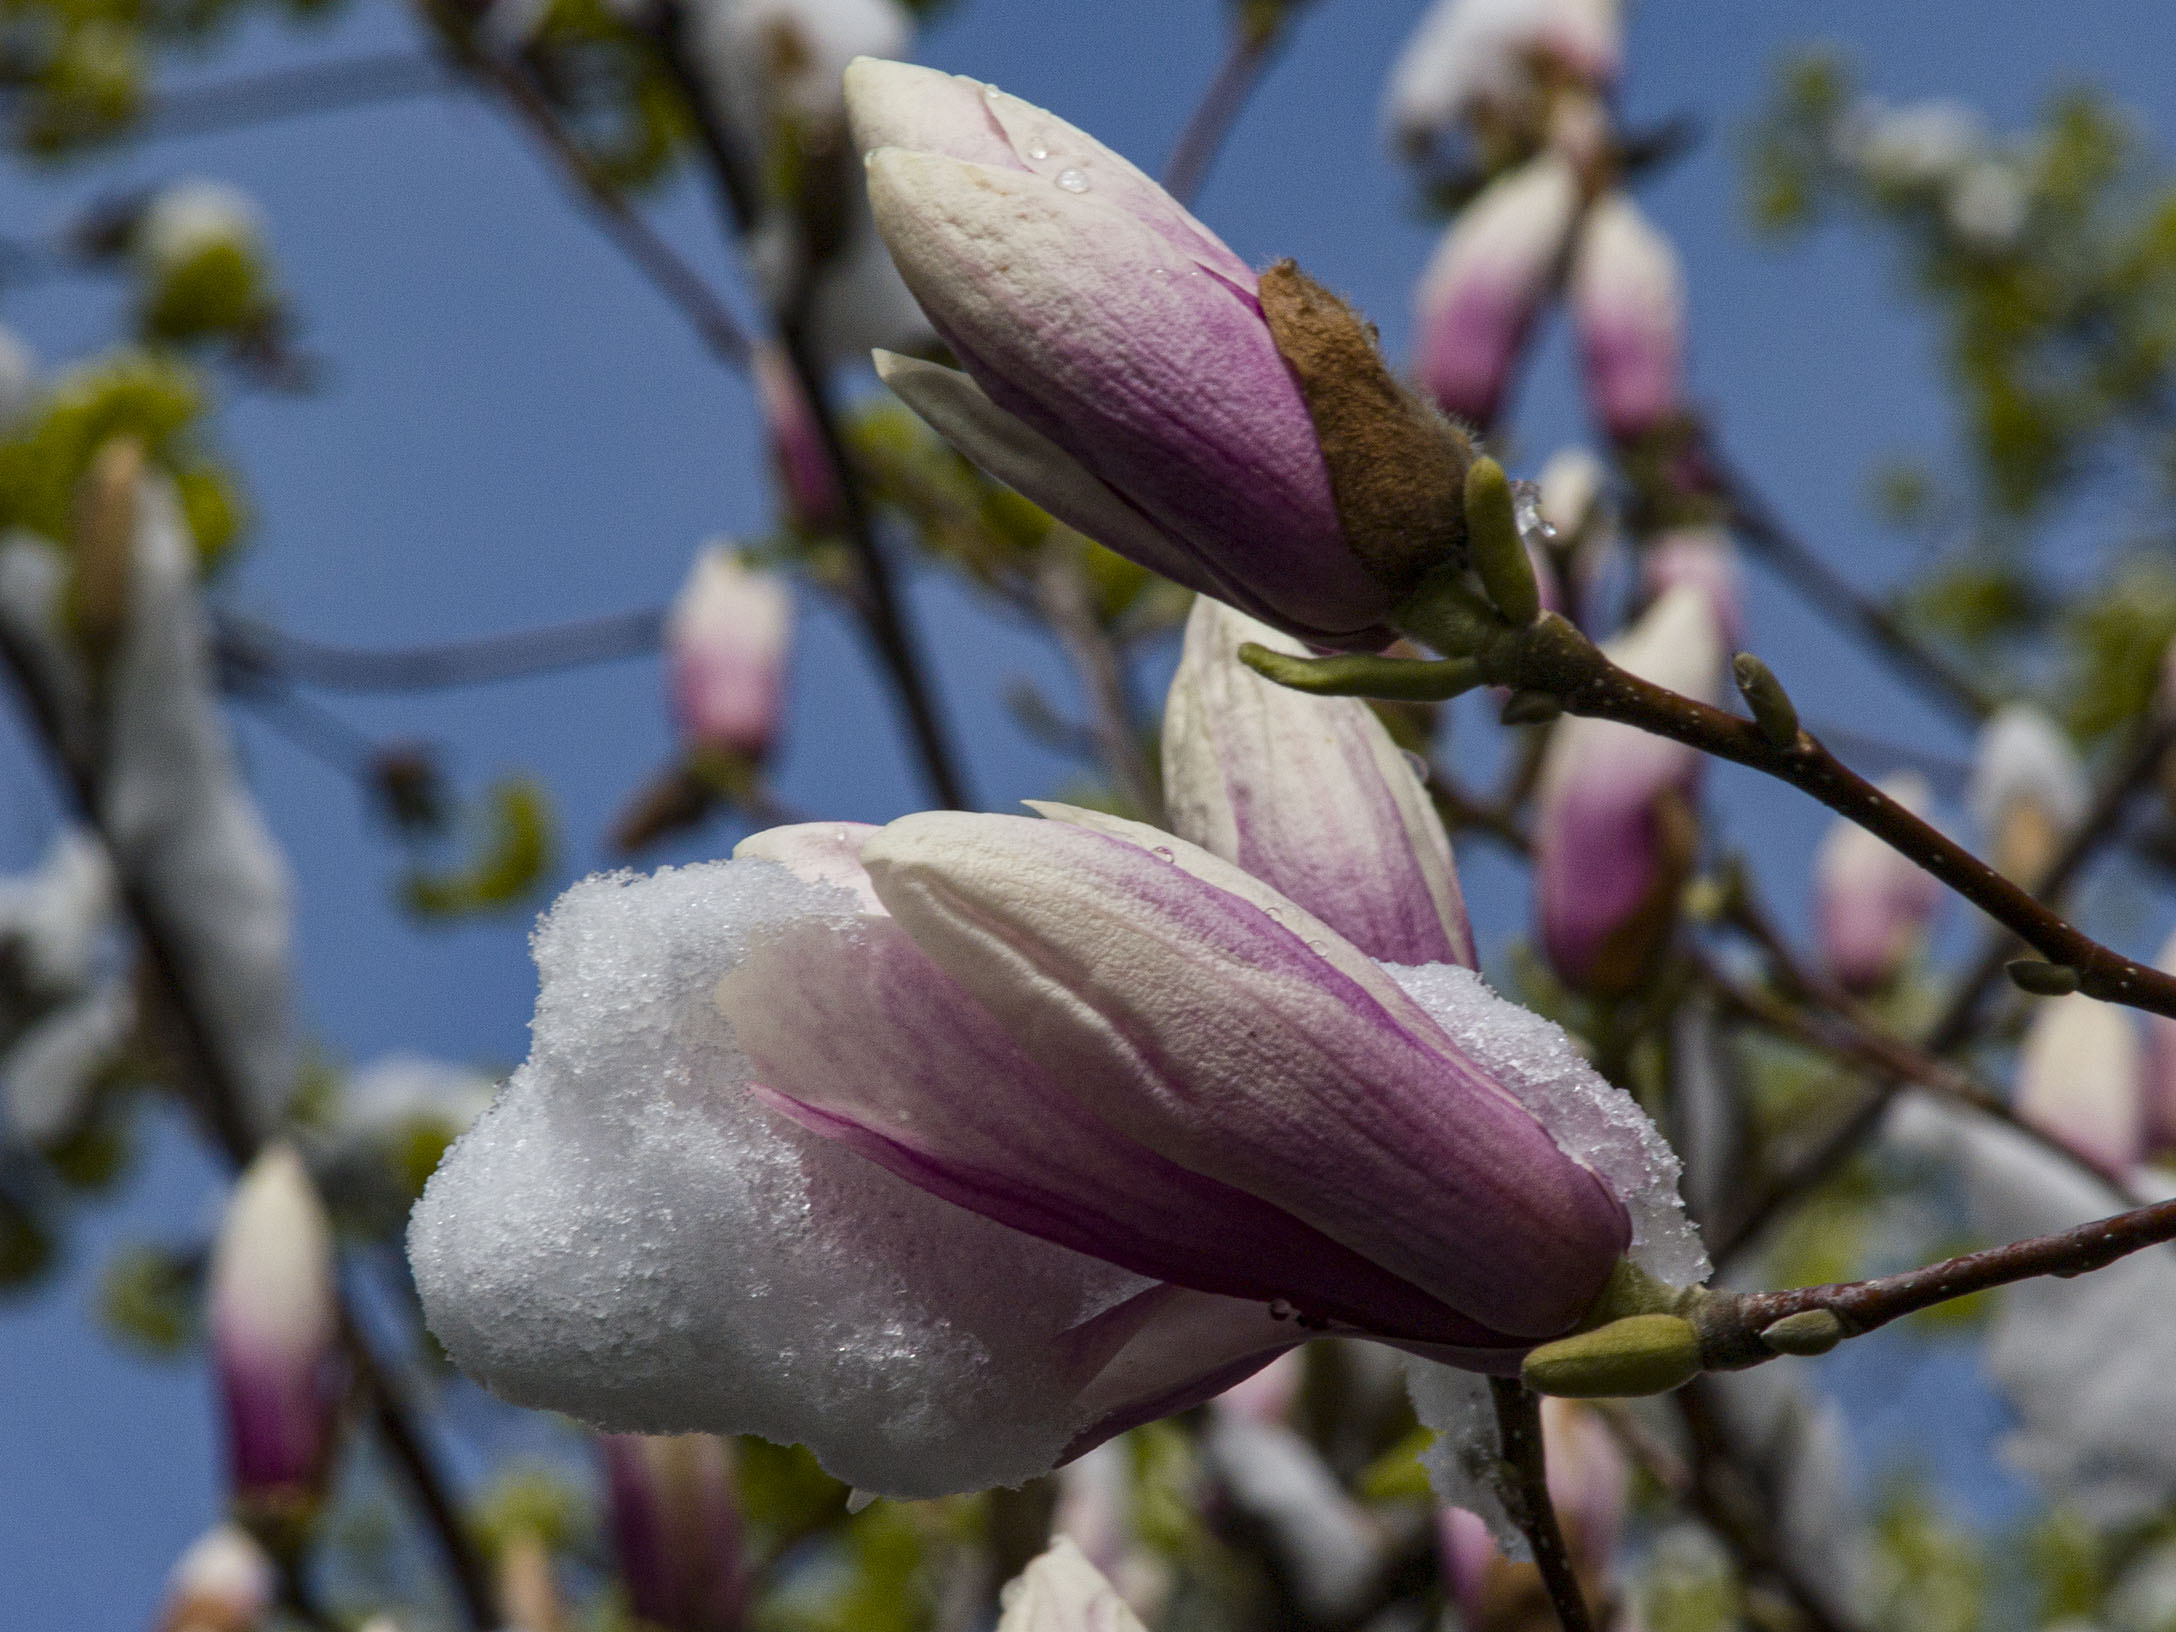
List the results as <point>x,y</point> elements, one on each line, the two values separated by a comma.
<point>1518,1430</point>
<point>205,1079</point>
<point>250,648</point>
<point>1253,47</point>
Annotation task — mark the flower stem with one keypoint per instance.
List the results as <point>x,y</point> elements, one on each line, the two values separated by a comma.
<point>1518,1430</point>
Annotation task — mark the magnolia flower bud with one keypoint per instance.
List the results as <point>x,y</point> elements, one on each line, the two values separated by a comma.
<point>676,1524</point>
<point>1615,832</point>
<point>1705,558</point>
<point>1628,302</point>
<point>1872,903</point>
<point>725,644</point>
<point>1481,293</point>
<point>2078,1078</point>
<point>1129,373</point>
<point>1062,1592</point>
<point>274,1328</point>
<point>225,1582</point>
<point>806,477</point>
<point>947,1083</point>
<point>1490,60</point>
<point>1310,795</point>
<point>2028,791</point>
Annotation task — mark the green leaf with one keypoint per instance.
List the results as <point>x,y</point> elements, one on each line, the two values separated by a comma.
<point>148,1299</point>
<point>516,848</point>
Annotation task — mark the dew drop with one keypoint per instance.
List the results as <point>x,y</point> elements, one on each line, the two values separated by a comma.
<point>990,93</point>
<point>1526,511</point>
<point>1162,852</point>
<point>1072,181</point>
<point>1281,1309</point>
<point>1274,915</point>
<point>1419,762</point>
<point>1038,152</point>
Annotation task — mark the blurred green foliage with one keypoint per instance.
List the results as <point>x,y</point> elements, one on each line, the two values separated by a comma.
<point>516,848</point>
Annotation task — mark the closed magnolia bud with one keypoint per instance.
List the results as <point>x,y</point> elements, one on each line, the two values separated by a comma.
<point>1616,832</point>
<point>2028,791</point>
<point>807,480</point>
<point>275,1328</point>
<point>1486,285</point>
<point>1490,61</point>
<point>676,1524</point>
<point>1130,374</point>
<point>1872,903</point>
<point>225,1582</point>
<point>1628,302</point>
<point>2078,1078</point>
<point>1310,795</point>
<point>725,650</point>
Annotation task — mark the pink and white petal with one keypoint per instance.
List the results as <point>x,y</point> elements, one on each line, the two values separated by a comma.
<point>853,1032</point>
<point>1202,1025</point>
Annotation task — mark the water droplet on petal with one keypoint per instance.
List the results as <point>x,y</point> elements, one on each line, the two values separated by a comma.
<point>1037,151</point>
<point>990,93</point>
<point>1162,852</point>
<point>1281,1309</point>
<point>1419,762</point>
<point>1072,181</point>
<point>1274,915</point>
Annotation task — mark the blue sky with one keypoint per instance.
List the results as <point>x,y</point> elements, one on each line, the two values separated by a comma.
<point>516,430</point>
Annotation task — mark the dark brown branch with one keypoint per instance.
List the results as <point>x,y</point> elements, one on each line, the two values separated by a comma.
<point>1518,1430</point>
<point>1732,1324</point>
<point>2149,747</point>
<point>879,605</point>
<point>1555,658</point>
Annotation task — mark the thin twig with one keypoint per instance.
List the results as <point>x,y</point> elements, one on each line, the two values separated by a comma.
<point>1062,594</point>
<point>1253,46</point>
<point>1830,593</point>
<point>251,648</point>
<point>1740,1506</point>
<point>1731,1327</point>
<point>655,258</point>
<point>2149,747</point>
<point>879,606</point>
<point>287,93</point>
<point>1518,1432</point>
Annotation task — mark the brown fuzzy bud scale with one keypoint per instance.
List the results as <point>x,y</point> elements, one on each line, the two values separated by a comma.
<point>1397,466</point>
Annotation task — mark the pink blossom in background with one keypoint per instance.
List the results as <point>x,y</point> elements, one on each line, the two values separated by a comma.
<point>1871,903</point>
<point>1628,302</point>
<point>725,653</point>
<point>1486,285</point>
<point>274,1332</point>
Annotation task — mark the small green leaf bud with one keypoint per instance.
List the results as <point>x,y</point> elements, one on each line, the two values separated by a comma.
<point>1641,1354</point>
<point>1810,1331</point>
<point>2042,979</point>
<point>1399,678</point>
<point>1772,709</point>
<point>1492,537</point>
